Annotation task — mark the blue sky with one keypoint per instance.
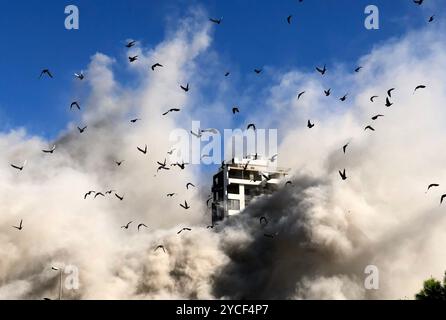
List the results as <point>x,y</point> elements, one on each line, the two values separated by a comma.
<point>253,34</point>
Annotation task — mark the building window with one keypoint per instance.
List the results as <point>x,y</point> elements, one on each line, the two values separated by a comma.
<point>233,188</point>
<point>233,204</point>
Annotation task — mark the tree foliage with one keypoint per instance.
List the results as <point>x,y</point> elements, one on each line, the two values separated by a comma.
<point>432,290</point>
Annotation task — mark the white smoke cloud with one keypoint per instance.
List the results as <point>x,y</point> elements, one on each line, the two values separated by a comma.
<point>326,230</point>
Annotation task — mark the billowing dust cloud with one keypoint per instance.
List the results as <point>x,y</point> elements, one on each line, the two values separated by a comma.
<point>325,230</point>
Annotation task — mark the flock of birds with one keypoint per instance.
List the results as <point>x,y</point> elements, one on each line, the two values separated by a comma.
<point>162,165</point>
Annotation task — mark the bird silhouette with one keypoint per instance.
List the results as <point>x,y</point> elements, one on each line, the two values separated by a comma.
<point>322,71</point>
<point>227,73</point>
<point>431,19</point>
<point>432,185</point>
<point>235,110</point>
<point>216,21</point>
<point>369,128</point>
<point>75,104</point>
<point>144,151</point>
<point>300,95</point>
<point>171,195</point>
<point>263,221</point>
<point>130,44</point>
<point>186,88</point>
<point>50,150</point>
<point>251,125</point>
<point>160,247</point>
<point>309,124</point>
<point>20,227</point>
<point>118,163</point>
<point>81,130</point>
<point>373,98</point>
<point>171,110</point>
<point>99,194</point>
<point>377,116</point>
<point>189,184</point>
<point>288,19</point>
<point>79,76</point>
<point>119,197</point>
<point>418,2</point>
<point>155,66</point>
<point>135,120</point>
<point>421,86</point>
<point>142,225</point>
<point>133,59</point>
<point>442,198</point>
<point>127,225</point>
<point>327,92</point>
<point>88,194</point>
<point>20,168</point>
<point>184,229</point>
<point>358,69</point>
<point>288,183</point>
<point>46,72</point>
<point>343,98</point>
<point>185,205</point>
<point>388,103</point>
<point>389,92</point>
<point>344,148</point>
<point>258,71</point>
<point>343,175</point>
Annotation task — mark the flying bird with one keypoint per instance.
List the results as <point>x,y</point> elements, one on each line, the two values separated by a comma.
<point>344,148</point>
<point>216,21</point>
<point>343,175</point>
<point>19,168</point>
<point>184,229</point>
<point>235,110</point>
<point>251,125</point>
<point>263,221</point>
<point>432,185</point>
<point>88,193</point>
<point>358,69</point>
<point>198,135</point>
<point>343,98</point>
<point>258,71</point>
<point>118,163</point>
<point>431,18</point>
<point>288,19</point>
<point>288,183</point>
<point>46,72</point>
<point>81,130</point>
<point>388,103</point>
<point>50,150</point>
<point>142,225</point>
<point>109,191</point>
<point>300,95</point>
<point>79,76</point>
<point>389,92</point>
<point>377,116</point>
<point>418,2</point>
<point>119,197</point>
<point>273,158</point>
<point>133,59</point>
<point>171,194</point>
<point>327,92</point>
<point>156,65</point>
<point>99,194</point>
<point>419,87</point>
<point>189,184</point>
<point>322,71</point>
<point>185,205</point>
<point>309,124</point>
<point>75,104</point>
<point>20,227</point>
<point>144,151</point>
<point>127,225</point>
<point>130,44</point>
<point>369,128</point>
<point>186,88</point>
<point>227,73</point>
<point>372,99</point>
<point>171,110</point>
<point>160,247</point>
<point>134,120</point>
<point>442,198</point>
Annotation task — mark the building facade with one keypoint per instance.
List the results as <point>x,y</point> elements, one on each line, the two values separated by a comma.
<point>239,181</point>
